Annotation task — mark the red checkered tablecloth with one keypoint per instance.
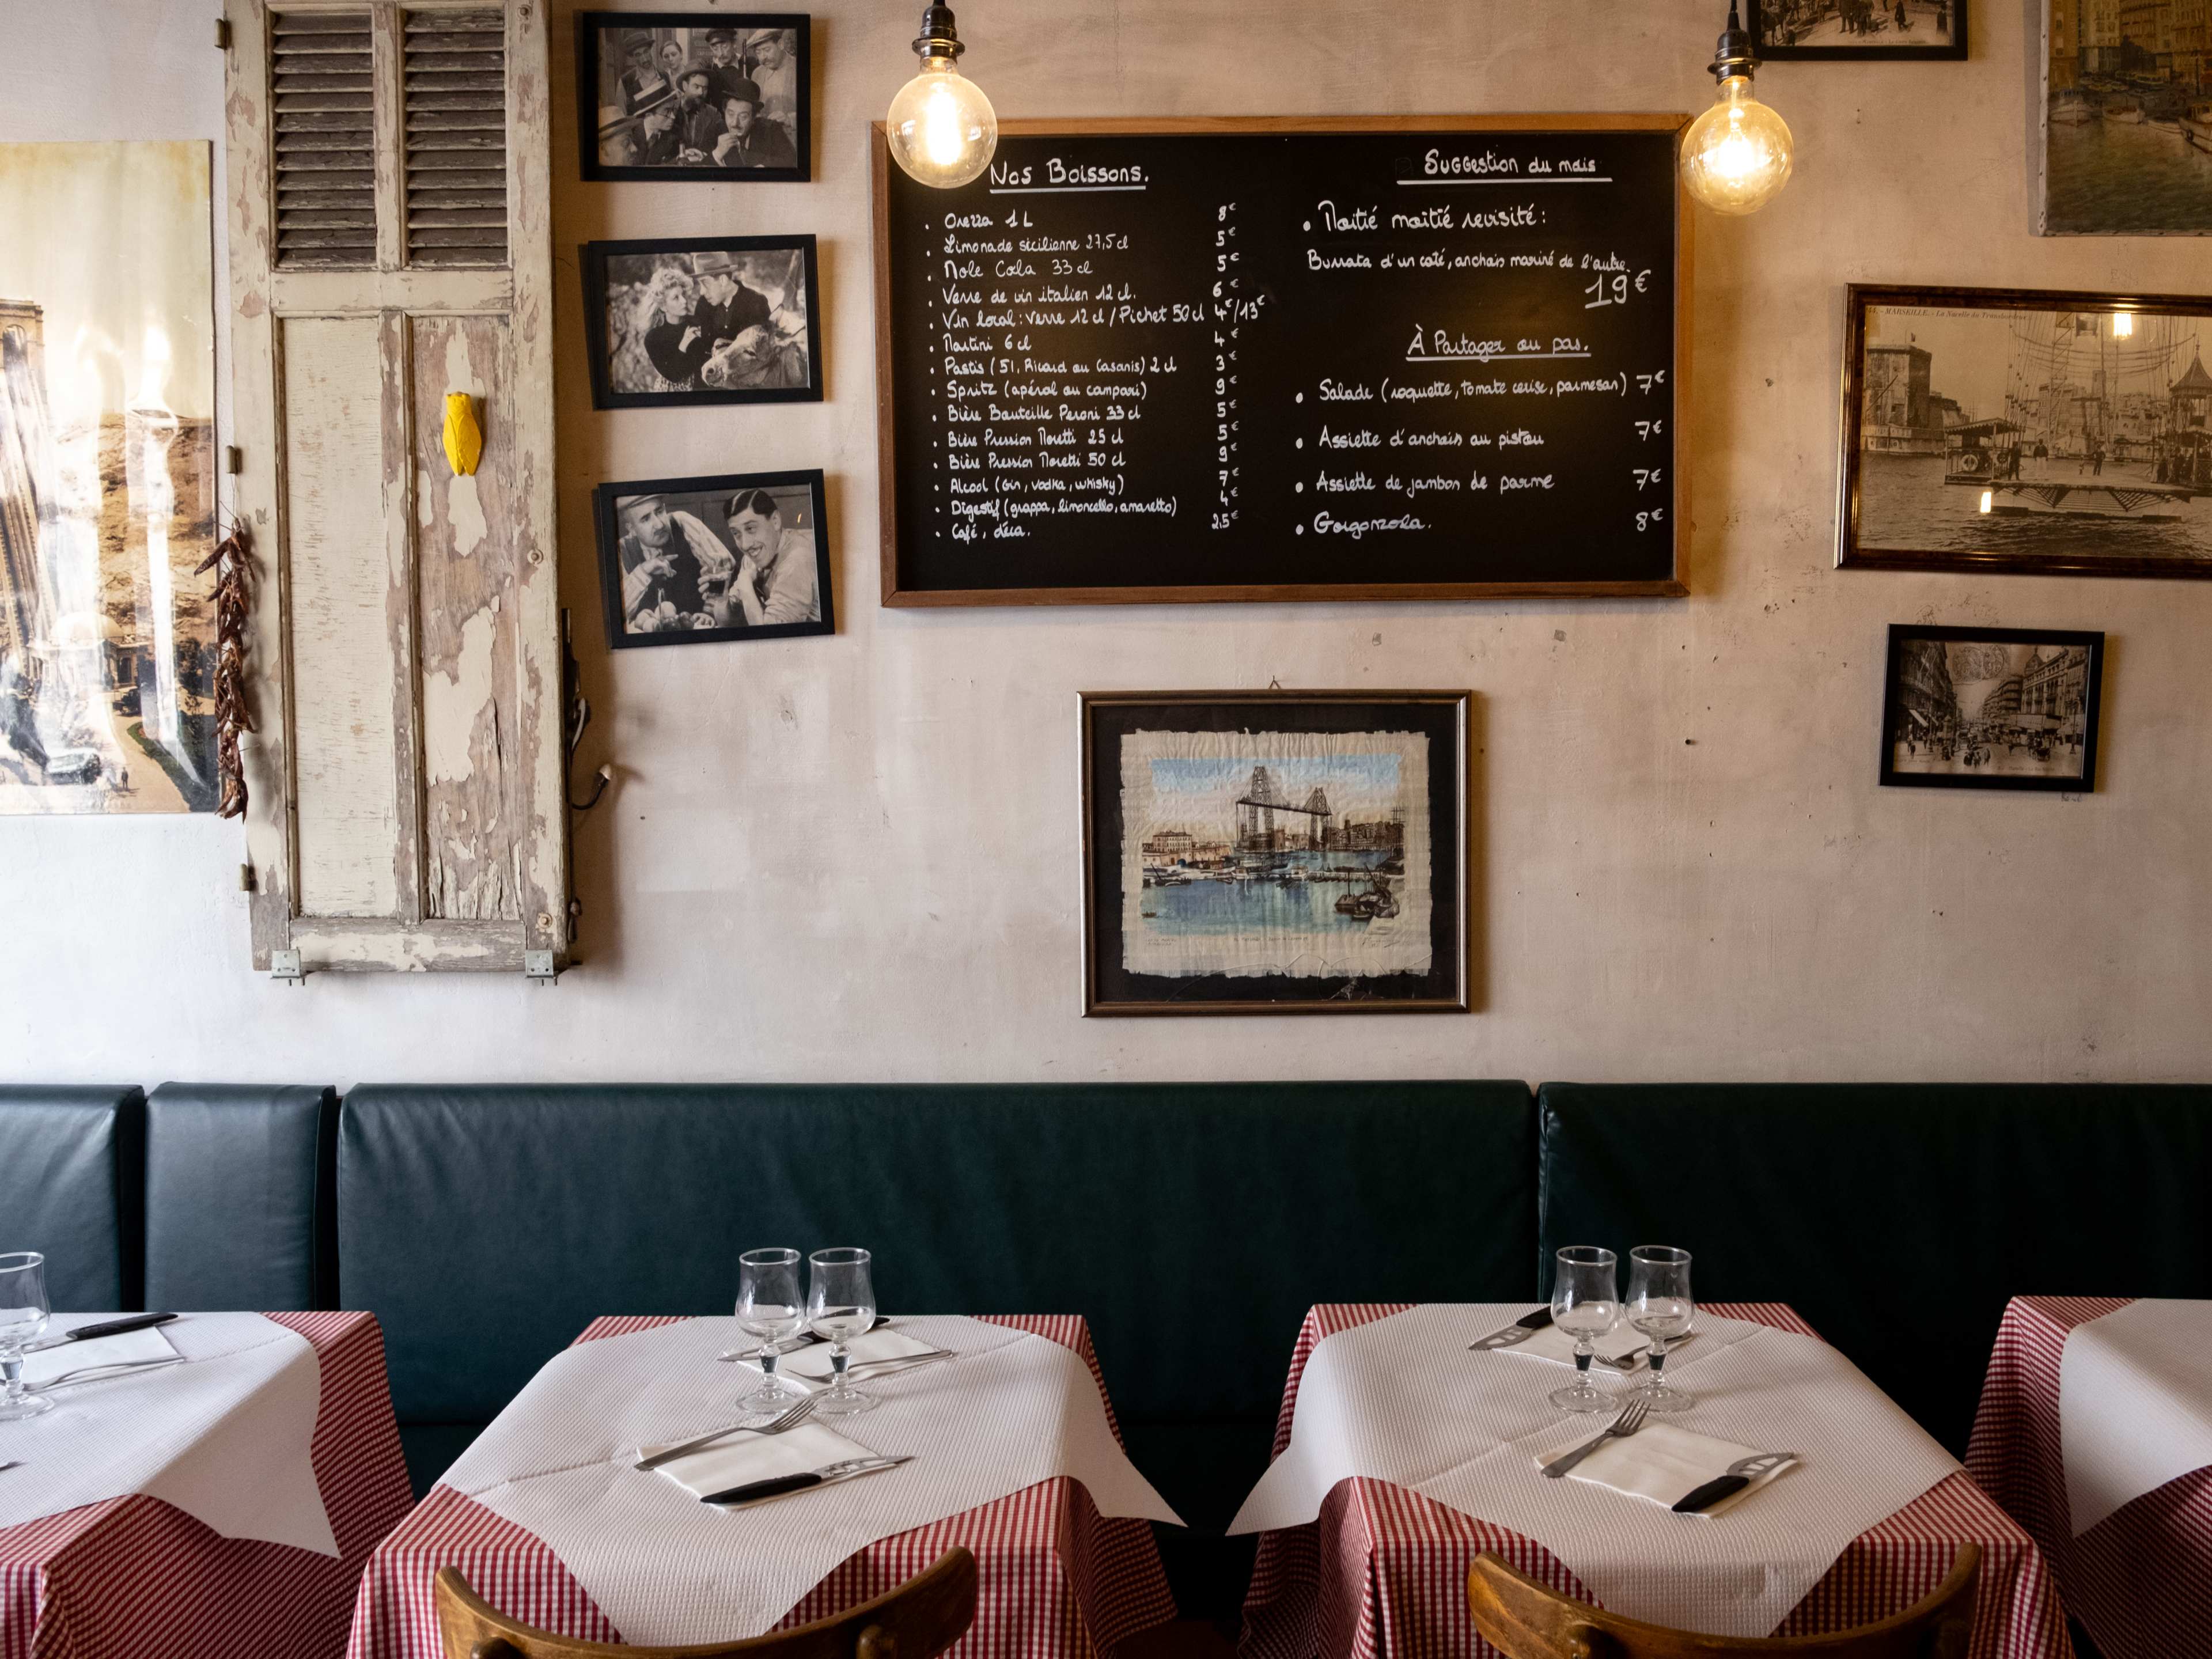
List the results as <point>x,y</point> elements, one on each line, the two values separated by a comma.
<point>2140,1580</point>
<point>133,1578</point>
<point>1057,1579</point>
<point>1383,1571</point>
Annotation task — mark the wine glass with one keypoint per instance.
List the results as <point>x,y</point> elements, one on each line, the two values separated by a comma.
<point>23,1313</point>
<point>1660,1307</point>
<point>770,1308</point>
<point>1586,1305</point>
<point>840,1304</point>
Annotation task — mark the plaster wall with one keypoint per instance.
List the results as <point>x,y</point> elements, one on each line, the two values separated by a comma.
<point>855,858</point>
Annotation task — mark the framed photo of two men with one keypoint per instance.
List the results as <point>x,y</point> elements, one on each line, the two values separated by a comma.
<point>694,95</point>
<point>687,561</point>
<point>701,319</point>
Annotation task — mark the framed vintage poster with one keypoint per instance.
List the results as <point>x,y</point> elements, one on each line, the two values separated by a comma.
<point>1174,361</point>
<point>1858,30</point>
<point>701,319</point>
<point>2125,145</point>
<point>695,97</point>
<point>1274,852</point>
<point>1991,709</point>
<point>108,479</point>
<point>2026,430</point>
<point>685,561</point>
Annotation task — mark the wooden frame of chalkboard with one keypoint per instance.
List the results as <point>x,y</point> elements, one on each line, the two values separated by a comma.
<point>1127,970</point>
<point>1667,554</point>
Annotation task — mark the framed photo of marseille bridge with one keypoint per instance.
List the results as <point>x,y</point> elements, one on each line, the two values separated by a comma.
<point>1271,852</point>
<point>2026,430</point>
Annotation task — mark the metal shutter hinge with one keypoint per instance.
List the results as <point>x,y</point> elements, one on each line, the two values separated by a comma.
<point>222,34</point>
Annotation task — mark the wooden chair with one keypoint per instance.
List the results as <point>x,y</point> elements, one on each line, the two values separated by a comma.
<point>918,1620</point>
<point>1523,1620</point>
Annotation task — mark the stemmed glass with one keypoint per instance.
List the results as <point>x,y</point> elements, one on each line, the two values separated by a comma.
<point>770,1308</point>
<point>1586,1305</point>
<point>1660,1307</point>
<point>23,1313</point>
<point>840,1304</point>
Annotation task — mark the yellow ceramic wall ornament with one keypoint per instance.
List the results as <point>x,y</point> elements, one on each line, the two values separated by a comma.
<point>464,437</point>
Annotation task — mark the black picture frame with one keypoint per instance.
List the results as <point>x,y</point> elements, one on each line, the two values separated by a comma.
<point>1108,720</point>
<point>607,511</point>
<point>597,30</point>
<point>597,261</point>
<point>1760,15</point>
<point>1896,718</point>
<point>2108,511</point>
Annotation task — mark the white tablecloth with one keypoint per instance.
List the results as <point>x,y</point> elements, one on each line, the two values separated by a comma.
<point>1401,1400</point>
<point>1010,1410</point>
<point>2135,1405</point>
<point>224,1437</point>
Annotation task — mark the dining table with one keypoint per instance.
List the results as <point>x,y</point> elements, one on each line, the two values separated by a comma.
<point>2095,1434</point>
<point>1060,1577</point>
<point>1383,1568</point>
<point>249,1478</point>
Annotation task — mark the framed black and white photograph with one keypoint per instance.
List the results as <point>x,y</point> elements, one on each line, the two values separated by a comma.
<point>694,95</point>
<point>742,557</point>
<point>1885,31</point>
<point>1991,709</point>
<point>701,319</point>
<point>2029,431</point>
<point>1274,852</point>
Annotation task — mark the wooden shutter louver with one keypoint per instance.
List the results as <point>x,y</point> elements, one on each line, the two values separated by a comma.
<point>455,133</point>
<point>323,77</point>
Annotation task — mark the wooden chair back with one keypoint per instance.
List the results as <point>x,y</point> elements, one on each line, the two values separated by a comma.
<point>1522,1619</point>
<point>918,1619</point>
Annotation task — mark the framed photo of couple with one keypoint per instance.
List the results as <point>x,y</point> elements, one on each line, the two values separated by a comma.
<point>701,319</point>
<point>686,560</point>
<point>694,96</point>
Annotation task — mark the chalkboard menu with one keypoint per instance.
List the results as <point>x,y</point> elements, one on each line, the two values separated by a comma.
<point>1274,359</point>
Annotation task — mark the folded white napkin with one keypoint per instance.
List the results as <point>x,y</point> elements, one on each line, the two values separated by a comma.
<point>873,1349</point>
<point>746,1456</point>
<point>1662,1464</point>
<point>1555,1344</point>
<point>126,1348</point>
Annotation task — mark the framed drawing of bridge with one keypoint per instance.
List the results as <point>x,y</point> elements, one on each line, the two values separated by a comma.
<point>2026,430</point>
<point>1274,852</point>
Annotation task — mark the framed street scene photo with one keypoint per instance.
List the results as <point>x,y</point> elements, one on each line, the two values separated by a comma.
<point>684,561</point>
<point>694,95</point>
<point>2126,144</point>
<point>701,319</point>
<point>2026,430</point>
<point>1991,709</point>
<point>1271,852</point>
<point>1889,31</point>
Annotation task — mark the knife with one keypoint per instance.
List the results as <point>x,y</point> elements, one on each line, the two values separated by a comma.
<point>1519,1331</point>
<point>1740,1474</point>
<point>106,1327</point>
<point>828,1474</point>
<point>792,1344</point>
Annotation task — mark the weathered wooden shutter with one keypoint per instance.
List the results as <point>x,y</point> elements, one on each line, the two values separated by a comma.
<point>389,247</point>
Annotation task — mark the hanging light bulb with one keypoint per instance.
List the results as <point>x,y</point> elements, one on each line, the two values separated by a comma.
<point>942,128</point>
<point>1736,155</point>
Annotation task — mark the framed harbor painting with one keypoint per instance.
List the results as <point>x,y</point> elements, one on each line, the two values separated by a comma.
<point>108,478</point>
<point>1991,709</point>
<point>1884,31</point>
<point>1271,852</point>
<point>2126,144</point>
<point>2026,430</point>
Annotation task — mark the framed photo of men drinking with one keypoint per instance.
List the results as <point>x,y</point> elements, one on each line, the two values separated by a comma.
<point>701,319</point>
<point>694,95</point>
<point>742,557</point>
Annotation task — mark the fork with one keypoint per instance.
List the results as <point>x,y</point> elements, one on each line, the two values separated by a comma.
<point>1622,1426</point>
<point>101,1373</point>
<point>789,1418</point>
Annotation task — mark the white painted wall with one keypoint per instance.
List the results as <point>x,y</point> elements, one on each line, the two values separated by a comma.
<point>855,858</point>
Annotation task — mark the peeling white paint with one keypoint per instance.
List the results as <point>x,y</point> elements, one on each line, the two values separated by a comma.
<point>451,700</point>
